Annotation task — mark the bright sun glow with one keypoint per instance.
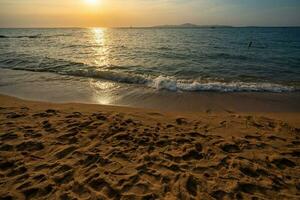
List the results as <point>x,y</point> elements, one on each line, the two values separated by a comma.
<point>92,2</point>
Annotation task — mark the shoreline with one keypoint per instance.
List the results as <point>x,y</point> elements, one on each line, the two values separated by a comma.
<point>86,151</point>
<point>167,101</point>
<point>64,89</point>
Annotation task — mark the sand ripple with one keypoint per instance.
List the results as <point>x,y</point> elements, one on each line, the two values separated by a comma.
<point>61,154</point>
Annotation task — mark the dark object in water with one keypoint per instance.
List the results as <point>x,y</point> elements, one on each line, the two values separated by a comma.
<point>250,44</point>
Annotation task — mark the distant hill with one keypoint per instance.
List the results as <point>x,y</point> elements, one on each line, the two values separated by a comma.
<point>189,25</point>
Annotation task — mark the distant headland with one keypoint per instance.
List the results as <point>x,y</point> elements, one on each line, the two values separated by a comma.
<point>195,26</point>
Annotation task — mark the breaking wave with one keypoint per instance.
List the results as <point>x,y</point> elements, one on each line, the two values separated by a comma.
<point>116,74</point>
<point>172,84</point>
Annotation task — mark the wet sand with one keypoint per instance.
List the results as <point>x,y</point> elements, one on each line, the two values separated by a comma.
<point>62,89</point>
<point>85,151</point>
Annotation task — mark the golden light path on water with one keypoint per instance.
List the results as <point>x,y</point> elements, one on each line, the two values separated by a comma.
<point>101,88</point>
<point>101,92</point>
<point>101,50</point>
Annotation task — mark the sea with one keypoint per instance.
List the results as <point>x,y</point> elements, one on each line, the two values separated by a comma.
<point>64,63</point>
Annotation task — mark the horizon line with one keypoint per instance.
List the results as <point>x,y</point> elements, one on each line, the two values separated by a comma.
<point>170,26</point>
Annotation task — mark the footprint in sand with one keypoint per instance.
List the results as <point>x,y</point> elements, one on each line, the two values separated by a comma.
<point>30,146</point>
<point>283,163</point>
<point>65,152</point>
<point>8,136</point>
<point>230,148</point>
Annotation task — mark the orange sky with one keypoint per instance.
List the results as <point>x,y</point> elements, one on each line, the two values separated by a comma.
<point>112,13</point>
<point>106,13</point>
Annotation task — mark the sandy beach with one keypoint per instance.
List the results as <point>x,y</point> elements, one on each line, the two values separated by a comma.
<point>149,100</point>
<point>85,151</point>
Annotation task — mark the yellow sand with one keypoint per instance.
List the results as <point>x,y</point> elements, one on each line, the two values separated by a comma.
<point>78,151</point>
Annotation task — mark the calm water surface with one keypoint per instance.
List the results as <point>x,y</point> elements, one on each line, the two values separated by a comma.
<point>178,60</point>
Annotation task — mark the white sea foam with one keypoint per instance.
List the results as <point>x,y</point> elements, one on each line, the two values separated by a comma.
<point>173,84</point>
<point>170,83</point>
<point>157,82</point>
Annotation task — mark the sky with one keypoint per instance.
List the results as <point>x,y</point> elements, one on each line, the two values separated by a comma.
<point>119,13</point>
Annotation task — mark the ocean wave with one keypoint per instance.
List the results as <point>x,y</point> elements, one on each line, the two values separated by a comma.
<point>115,73</point>
<point>84,46</point>
<point>21,36</point>
<point>32,63</point>
<point>108,75</point>
<point>227,56</point>
<point>172,84</point>
<point>33,36</point>
<point>164,48</point>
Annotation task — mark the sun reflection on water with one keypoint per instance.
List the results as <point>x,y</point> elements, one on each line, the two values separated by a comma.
<point>101,50</point>
<point>103,91</point>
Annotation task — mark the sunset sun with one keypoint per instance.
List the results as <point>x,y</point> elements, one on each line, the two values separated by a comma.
<point>92,2</point>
